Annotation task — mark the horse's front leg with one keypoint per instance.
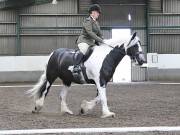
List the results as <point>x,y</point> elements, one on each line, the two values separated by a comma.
<point>64,107</point>
<point>89,105</point>
<point>103,99</point>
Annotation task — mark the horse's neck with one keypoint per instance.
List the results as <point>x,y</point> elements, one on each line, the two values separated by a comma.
<point>115,56</point>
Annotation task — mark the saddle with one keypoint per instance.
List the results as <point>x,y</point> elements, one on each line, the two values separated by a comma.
<point>79,59</point>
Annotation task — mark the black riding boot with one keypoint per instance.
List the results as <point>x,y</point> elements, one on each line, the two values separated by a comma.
<point>77,67</point>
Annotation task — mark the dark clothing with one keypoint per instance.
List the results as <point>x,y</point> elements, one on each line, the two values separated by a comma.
<point>90,32</point>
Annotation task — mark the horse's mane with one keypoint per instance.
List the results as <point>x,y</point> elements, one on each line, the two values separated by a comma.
<point>119,41</point>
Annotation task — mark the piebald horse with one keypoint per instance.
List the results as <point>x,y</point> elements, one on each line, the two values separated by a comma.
<point>99,69</point>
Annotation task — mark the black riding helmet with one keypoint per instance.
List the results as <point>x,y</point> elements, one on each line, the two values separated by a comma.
<point>94,7</point>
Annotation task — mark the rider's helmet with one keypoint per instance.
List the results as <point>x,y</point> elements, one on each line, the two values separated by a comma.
<point>94,7</point>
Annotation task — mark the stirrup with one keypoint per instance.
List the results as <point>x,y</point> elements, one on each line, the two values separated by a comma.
<point>77,69</point>
<point>77,76</point>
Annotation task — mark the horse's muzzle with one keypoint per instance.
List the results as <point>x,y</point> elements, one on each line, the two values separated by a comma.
<point>140,58</point>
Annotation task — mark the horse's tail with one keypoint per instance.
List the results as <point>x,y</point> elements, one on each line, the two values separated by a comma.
<point>39,88</point>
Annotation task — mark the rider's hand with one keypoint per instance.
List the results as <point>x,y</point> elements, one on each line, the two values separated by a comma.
<point>105,42</point>
<point>97,43</point>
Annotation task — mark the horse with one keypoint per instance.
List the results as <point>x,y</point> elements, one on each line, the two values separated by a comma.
<point>98,69</point>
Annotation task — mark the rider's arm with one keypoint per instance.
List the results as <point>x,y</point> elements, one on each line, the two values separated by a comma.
<point>99,32</point>
<point>88,27</point>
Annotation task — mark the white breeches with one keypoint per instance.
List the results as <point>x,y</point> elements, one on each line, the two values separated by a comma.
<point>83,47</point>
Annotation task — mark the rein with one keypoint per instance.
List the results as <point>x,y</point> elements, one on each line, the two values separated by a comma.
<point>114,47</point>
<point>110,46</point>
<point>124,46</point>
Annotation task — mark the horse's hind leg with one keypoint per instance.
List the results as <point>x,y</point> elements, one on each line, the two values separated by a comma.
<point>39,101</point>
<point>42,92</point>
<point>63,94</point>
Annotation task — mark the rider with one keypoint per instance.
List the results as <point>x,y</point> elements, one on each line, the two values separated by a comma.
<point>91,34</point>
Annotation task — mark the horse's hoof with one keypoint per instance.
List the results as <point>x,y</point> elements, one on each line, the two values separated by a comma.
<point>109,114</point>
<point>67,112</point>
<point>84,107</point>
<point>36,110</point>
<point>82,112</point>
<point>33,111</point>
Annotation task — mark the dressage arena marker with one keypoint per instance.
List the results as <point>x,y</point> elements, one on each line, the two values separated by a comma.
<point>92,130</point>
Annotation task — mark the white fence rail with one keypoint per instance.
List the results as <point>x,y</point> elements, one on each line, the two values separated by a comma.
<point>92,130</point>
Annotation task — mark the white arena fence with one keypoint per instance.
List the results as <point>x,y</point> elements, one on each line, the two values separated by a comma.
<point>92,130</point>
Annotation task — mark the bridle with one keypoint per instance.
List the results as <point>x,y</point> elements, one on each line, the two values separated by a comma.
<point>126,46</point>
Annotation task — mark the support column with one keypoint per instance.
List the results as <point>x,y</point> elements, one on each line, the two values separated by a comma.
<point>18,31</point>
<point>147,26</point>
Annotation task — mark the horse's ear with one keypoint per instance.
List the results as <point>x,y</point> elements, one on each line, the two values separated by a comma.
<point>134,35</point>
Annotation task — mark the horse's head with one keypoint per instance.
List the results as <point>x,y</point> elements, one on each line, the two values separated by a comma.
<point>134,50</point>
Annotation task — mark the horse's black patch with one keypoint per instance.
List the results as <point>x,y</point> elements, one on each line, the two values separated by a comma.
<point>134,35</point>
<point>110,63</point>
<point>42,89</point>
<point>90,81</point>
<point>58,66</point>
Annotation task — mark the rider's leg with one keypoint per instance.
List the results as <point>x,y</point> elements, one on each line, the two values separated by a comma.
<point>83,47</point>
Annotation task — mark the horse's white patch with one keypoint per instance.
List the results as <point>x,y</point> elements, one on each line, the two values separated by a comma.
<point>94,63</point>
<point>139,47</point>
<point>102,94</point>
<point>63,94</point>
<point>40,101</point>
<point>70,68</point>
<point>87,105</point>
